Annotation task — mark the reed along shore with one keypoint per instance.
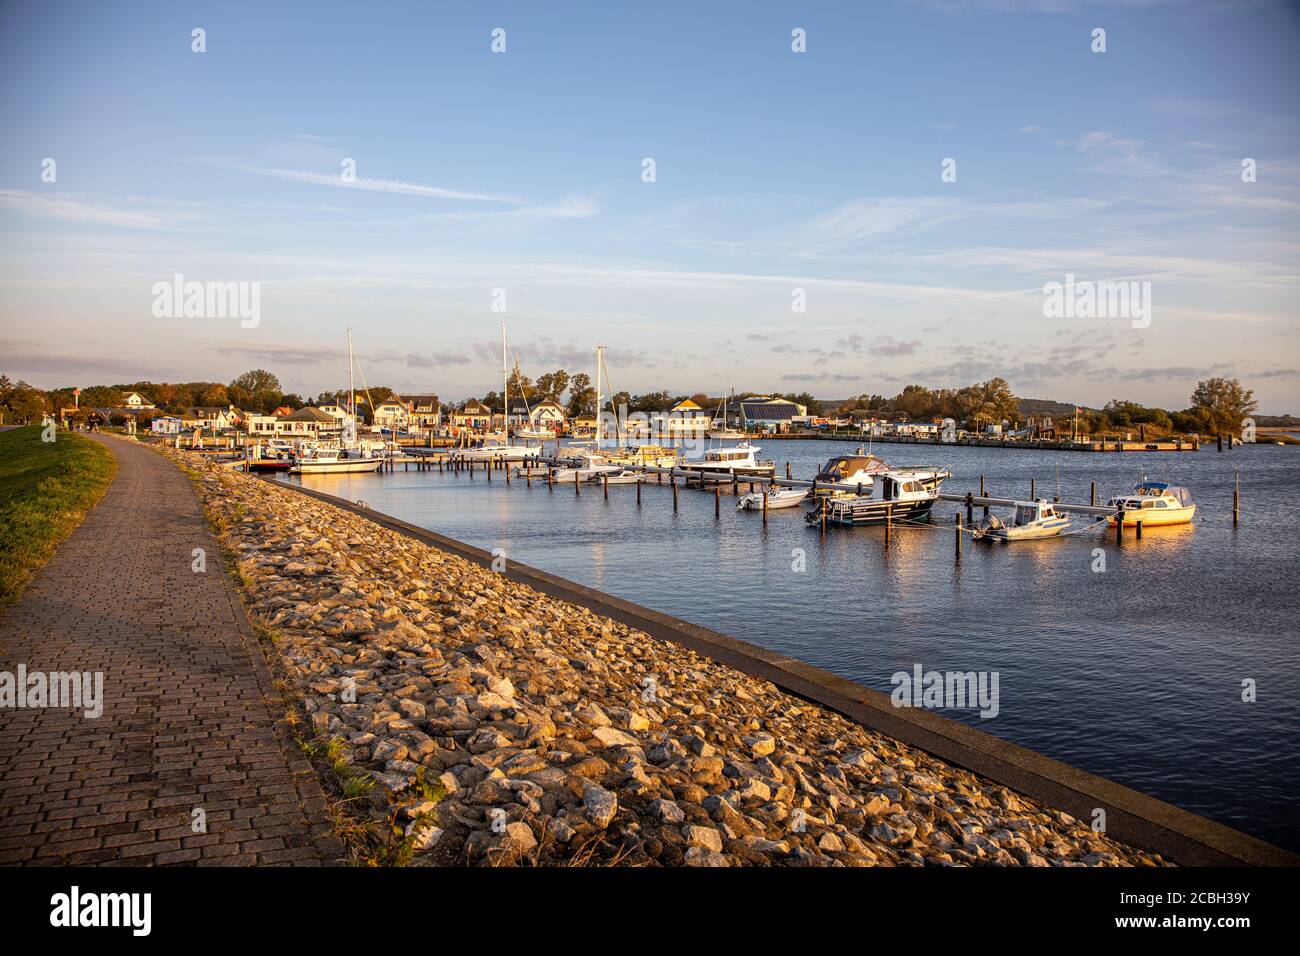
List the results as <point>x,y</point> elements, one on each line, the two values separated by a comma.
<point>479,721</point>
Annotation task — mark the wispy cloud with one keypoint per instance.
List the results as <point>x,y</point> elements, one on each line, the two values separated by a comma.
<point>365,184</point>
<point>70,208</point>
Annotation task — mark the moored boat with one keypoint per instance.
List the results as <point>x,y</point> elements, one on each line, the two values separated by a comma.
<point>738,461</point>
<point>327,461</point>
<point>1033,520</point>
<point>776,498</point>
<point>895,497</point>
<point>1153,504</point>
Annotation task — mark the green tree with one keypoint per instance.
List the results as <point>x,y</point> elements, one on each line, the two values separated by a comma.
<point>256,380</point>
<point>1222,405</point>
<point>582,397</point>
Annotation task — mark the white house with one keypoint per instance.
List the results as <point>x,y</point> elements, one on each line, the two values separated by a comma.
<point>684,420</point>
<point>394,415</point>
<point>136,400</point>
<point>548,414</point>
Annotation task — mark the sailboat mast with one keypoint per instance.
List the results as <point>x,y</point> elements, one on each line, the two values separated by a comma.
<point>352,390</point>
<point>505,387</point>
<point>600,365</point>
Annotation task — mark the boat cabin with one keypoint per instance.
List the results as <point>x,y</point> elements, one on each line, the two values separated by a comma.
<point>894,487</point>
<point>1154,494</point>
<point>1033,512</point>
<point>842,468</point>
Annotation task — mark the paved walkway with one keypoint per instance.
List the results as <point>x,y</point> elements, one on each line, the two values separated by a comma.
<point>189,718</point>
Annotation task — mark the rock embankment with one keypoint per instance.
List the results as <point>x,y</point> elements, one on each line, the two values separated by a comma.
<point>564,737</point>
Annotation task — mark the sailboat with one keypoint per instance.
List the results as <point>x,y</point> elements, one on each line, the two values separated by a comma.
<point>622,453</point>
<point>724,431</point>
<point>498,449</point>
<point>350,455</point>
<point>527,431</point>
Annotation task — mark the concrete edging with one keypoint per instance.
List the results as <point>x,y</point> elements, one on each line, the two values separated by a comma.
<point>1131,816</point>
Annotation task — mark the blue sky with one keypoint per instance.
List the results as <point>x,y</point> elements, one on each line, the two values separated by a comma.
<point>775,171</point>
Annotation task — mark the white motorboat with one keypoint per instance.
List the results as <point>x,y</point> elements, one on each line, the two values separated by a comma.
<point>896,496</point>
<point>776,498</point>
<point>616,476</point>
<point>330,461</point>
<point>493,449</point>
<point>1032,521</point>
<point>1153,503</point>
<point>861,468</point>
<point>738,461</point>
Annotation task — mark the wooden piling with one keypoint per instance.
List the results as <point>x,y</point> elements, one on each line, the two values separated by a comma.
<point>981,486</point>
<point>638,494</point>
<point>1119,525</point>
<point>957,538</point>
<point>1092,495</point>
<point>970,508</point>
<point>576,479</point>
<point>764,506</point>
<point>1139,528</point>
<point>1032,490</point>
<point>673,479</point>
<point>1236,498</point>
<point>717,502</point>
<point>506,468</point>
<point>889,522</point>
<point>787,469</point>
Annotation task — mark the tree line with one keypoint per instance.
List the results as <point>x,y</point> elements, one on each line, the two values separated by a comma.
<point>1217,405</point>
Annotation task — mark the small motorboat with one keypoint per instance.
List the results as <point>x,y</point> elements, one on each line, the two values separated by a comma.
<point>897,496</point>
<point>776,498</point>
<point>727,464</point>
<point>1033,520</point>
<point>616,476</point>
<point>1153,503</point>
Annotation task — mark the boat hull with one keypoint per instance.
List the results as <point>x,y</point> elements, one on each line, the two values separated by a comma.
<point>754,502</point>
<point>341,467</point>
<point>870,512</point>
<point>1155,517</point>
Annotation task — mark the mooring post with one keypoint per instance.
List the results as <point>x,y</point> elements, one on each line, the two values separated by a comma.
<point>889,522</point>
<point>1092,495</point>
<point>528,476</point>
<point>957,538</point>
<point>764,506</point>
<point>824,503</point>
<point>787,470</point>
<point>717,502</point>
<point>673,479</point>
<point>1119,525</point>
<point>1236,497</point>
<point>506,468</point>
<point>605,479</point>
<point>1220,443</point>
<point>489,469</point>
<point>981,486</point>
<point>970,508</point>
<point>1032,490</point>
<point>576,490</point>
<point>638,494</point>
<point>1139,528</point>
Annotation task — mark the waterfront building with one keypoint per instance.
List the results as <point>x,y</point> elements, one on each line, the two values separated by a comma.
<point>774,414</point>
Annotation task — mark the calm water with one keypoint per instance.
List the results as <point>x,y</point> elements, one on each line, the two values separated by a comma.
<point>1134,674</point>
